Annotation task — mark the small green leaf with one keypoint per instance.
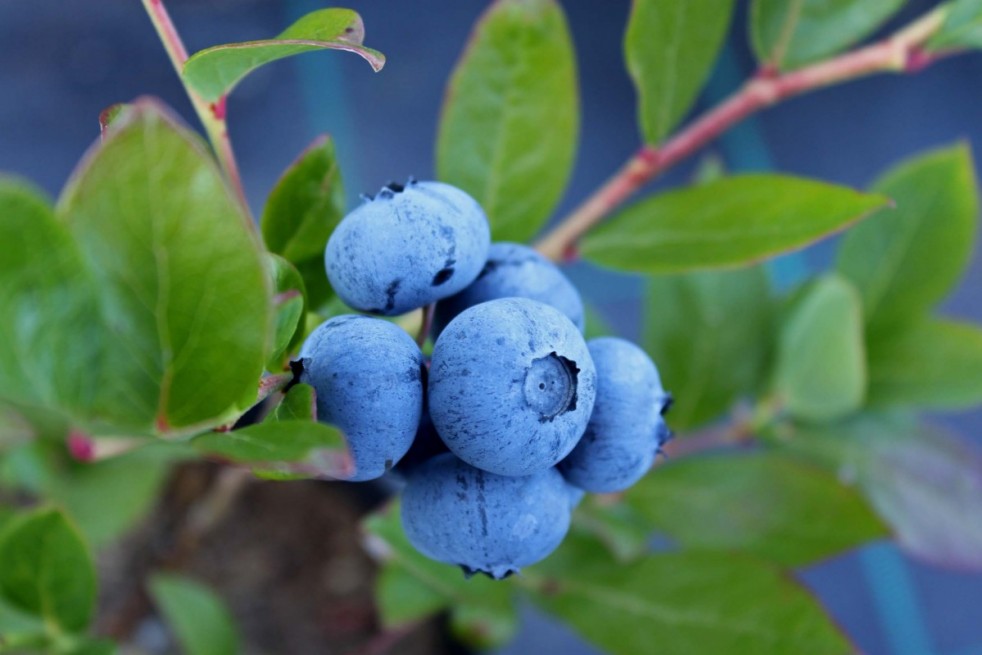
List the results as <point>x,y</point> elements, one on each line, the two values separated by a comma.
<point>214,72</point>
<point>514,86</point>
<point>791,33</point>
<point>299,404</point>
<point>733,221</point>
<point>199,618</point>
<point>904,260</point>
<point>932,363</point>
<point>109,115</point>
<point>709,335</point>
<point>821,359</point>
<point>670,49</point>
<point>289,310</point>
<point>766,504</point>
<point>47,569</point>
<point>925,483</point>
<point>962,27</point>
<point>683,603</point>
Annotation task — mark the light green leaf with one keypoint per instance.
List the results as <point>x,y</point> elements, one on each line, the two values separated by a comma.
<point>213,72</point>
<point>962,27</point>
<point>821,359</point>
<point>932,363</point>
<point>709,335</point>
<point>904,260</point>
<point>791,33</point>
<point>299,404</point>
<point>925,483</point>
<point>183,297</point>
<point>510,118</point>
<point>685,603</point>
<point>47,570</point>
<point>766,504</point>
<point>289,309</point>
<point>199,618</point>
<point>733,221</point>
<point>670,49</point>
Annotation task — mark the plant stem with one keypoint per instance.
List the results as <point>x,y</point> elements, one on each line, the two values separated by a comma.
<point>426,324</point>
<point>211,115</point>
<point>902,52</point>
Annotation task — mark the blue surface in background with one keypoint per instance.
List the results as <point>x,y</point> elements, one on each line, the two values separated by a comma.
<point>61,63</point>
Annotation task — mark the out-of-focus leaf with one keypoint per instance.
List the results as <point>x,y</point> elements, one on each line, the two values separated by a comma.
<point>766,504</point>
<point>618,526</point>
<point>670,49</point>
<point>904,260</point>
<point>199,618</point>
<point>289,310</point>
<point>821,359</point>
<point>213,72</point>
<point>510,118</point>
<point>47,570</point>
<point>709,335</point>
<point>682,603</point>
<point>791,33</point>
<point>733,221</point>
<point>962,27</point>
<point>925,483</point>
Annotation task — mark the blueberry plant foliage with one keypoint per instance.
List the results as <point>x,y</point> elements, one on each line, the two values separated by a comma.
<point>144,314</point>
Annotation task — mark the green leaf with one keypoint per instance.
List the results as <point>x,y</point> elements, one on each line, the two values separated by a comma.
<point>791,33</point>
<point>904,260</point>
<point>514,86</point>
<point>733,221</point>
<point>47,569</point>
<point>618,526</point>
<point>411,587</point>
<point>932,363</point>
<point>821,359</point>
<point>298,404</point>
<point>925,483</point>
<point>962,27</point>
<point>670,49</point>
<point>182,292</point>
<point>688,603</point>
<point>766,504</point>
<point>709,334</point>
<point>197,616</point>
<point>214,72</point>
<point>289,310</point>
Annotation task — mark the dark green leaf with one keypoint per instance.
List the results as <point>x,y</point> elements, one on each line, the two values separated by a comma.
<point>791,33</point>
<point>47,570</point>
<point>708,334</point>
<point>670,49</point>
<point>821,359</point>
<point>510,117</point>
<point>411,587</point>
<point>213,72</point>
<point>733,221</point>
<point>618,526</point>
<point>962,27</point>
<point>298,404</point>
<point>904,260</point>
<point>181,286</point>
<point>91,647</point>
<point>289,311</point>
<point>931,363</point>
<point>766,504</point>
<point>925,483</point>
<point>689,603</point>
<point>197,616</point>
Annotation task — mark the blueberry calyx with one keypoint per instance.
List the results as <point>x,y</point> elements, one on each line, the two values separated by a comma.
<point>550,386</point>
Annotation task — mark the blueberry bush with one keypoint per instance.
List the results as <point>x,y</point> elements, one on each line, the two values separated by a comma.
<point>150,321</point>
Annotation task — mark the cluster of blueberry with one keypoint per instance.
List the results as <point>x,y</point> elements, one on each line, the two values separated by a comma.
<point>514,417</point>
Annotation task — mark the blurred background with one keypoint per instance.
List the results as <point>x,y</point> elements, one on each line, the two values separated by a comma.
<point>62,62</point>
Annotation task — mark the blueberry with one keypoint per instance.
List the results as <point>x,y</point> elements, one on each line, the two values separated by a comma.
<point>626,429</point>
<point>368,375</point>
<point>511,386</point>
<point>407,247</point>
<point>482,522</point>
<point>514,270</point>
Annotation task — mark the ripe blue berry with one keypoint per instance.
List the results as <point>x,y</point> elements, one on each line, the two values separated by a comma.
<point>407,247</point>
<point>514,270</point>
<point>626,430</point>
<point>511,386</point>
<point>368,375</point>
<point>482,522</point>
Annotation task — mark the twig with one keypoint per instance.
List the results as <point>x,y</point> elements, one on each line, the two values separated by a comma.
<point>900,53</point>
<point>426,324</point>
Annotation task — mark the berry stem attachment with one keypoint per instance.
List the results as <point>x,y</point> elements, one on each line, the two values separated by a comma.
<point>902,52</point>
<point>211,115</point>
